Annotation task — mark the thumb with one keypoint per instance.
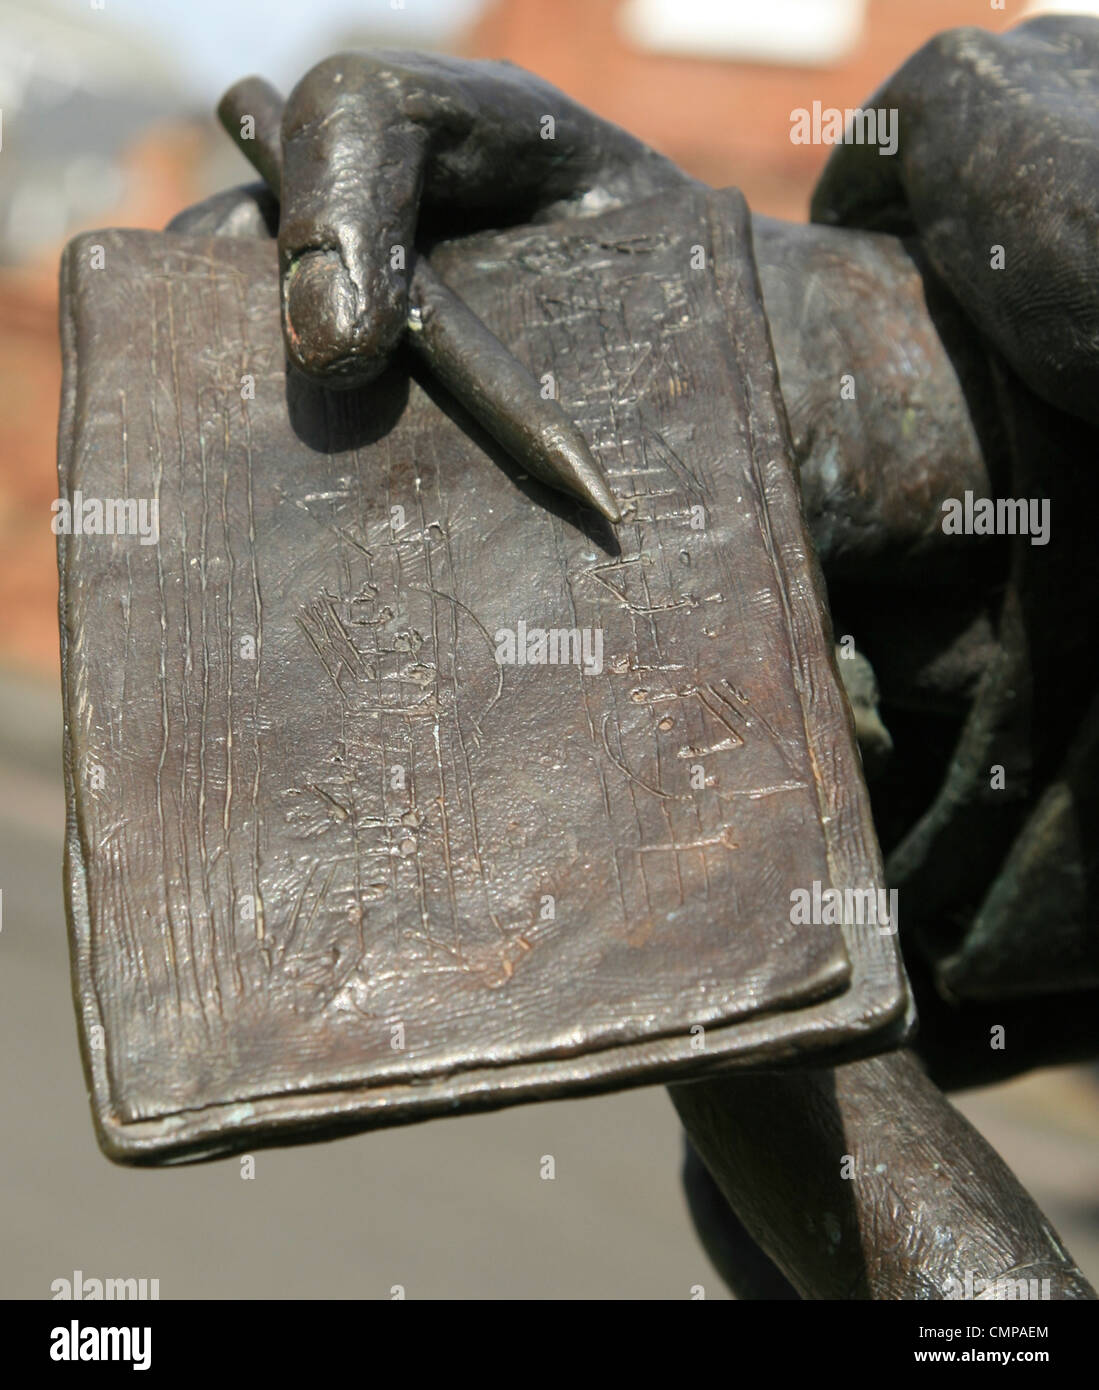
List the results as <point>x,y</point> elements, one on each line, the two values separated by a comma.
<point>351,181</point>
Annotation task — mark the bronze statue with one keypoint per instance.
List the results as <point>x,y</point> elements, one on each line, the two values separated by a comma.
<point>274,937</point>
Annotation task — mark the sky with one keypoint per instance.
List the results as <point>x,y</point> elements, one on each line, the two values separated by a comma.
<point>214,42</point>
<point>211,43</point>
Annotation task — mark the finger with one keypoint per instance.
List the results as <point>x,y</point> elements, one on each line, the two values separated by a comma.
<point>496,388</point>
<point>997,169</point>
<point>367,138</point>
<point>352,169</point>
<point>248,211</point>
<point>251,113</point>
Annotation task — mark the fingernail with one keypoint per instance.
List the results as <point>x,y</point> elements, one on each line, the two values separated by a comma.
<point>321,312</point>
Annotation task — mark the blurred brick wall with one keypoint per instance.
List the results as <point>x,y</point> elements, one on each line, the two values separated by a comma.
<point>160,180</point>
<point>726,123</point>
<point>30,371</point>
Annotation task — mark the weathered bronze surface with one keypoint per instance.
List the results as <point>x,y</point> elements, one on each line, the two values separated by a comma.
<point>966,381</point>
<point>458,348</point>
<point>275,900</point>
<point>861,1181</point>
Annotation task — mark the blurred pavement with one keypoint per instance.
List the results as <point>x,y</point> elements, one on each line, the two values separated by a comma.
<point>449,1209</point>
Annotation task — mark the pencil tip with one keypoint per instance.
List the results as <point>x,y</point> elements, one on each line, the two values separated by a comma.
<point>502,395</point>
<point>607,507</point>
<point>588,484</point>
<point>573,466</point>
